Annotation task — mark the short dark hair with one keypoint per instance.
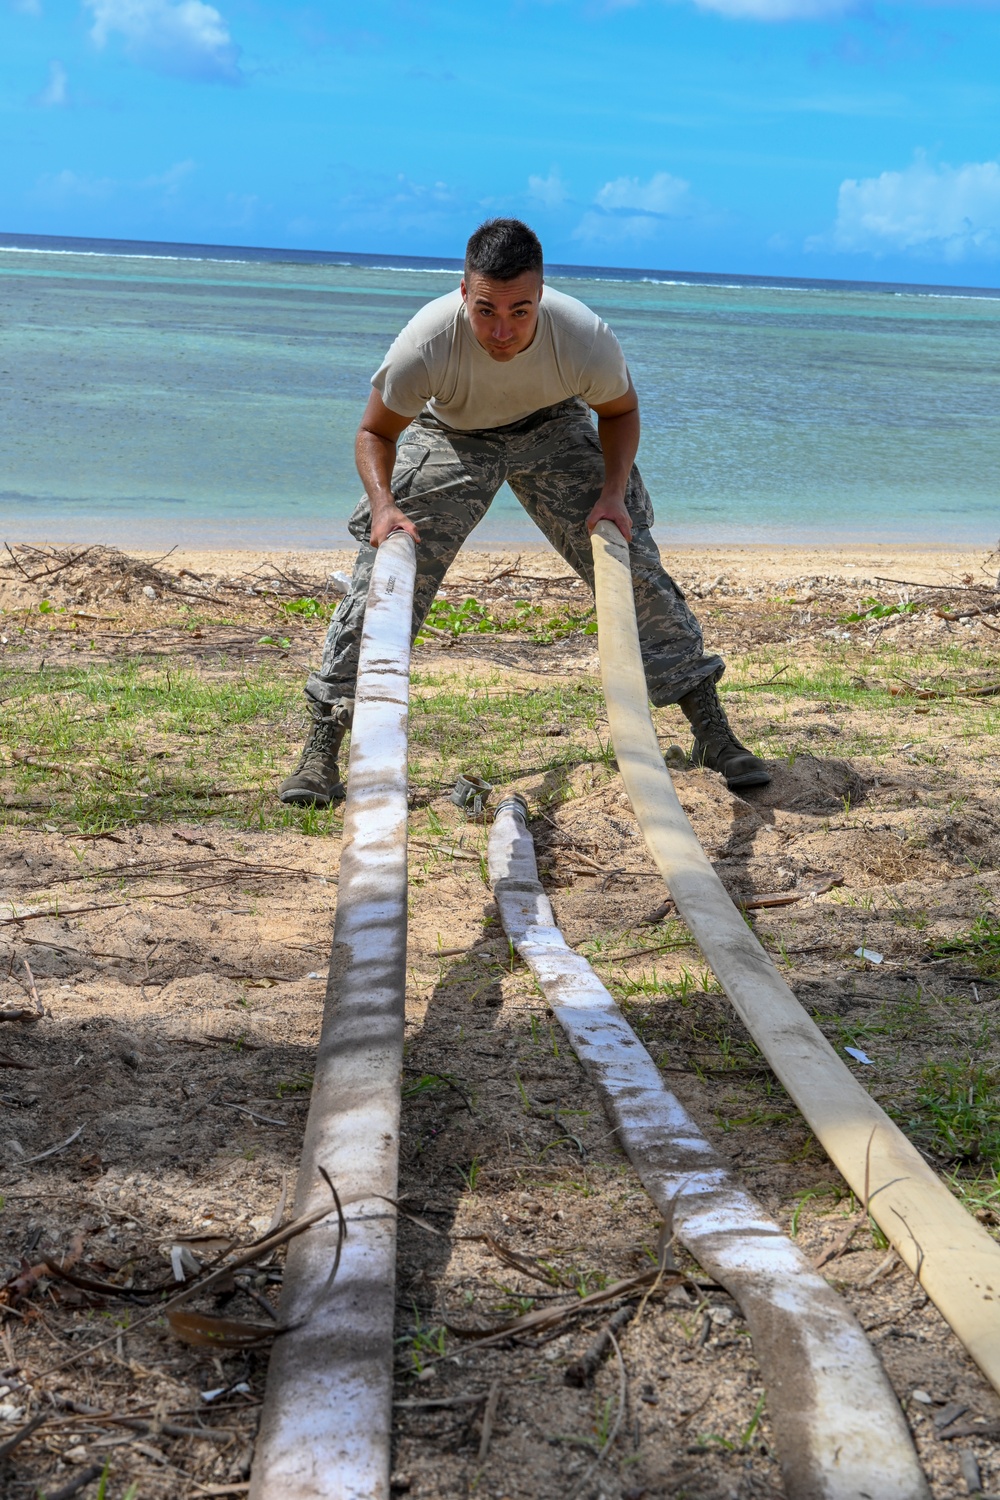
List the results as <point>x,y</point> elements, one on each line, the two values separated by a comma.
<point>502,249</point>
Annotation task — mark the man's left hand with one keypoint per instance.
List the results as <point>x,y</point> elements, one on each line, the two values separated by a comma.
<point>611,508</point>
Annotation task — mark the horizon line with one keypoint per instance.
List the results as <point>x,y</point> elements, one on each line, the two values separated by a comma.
<point>14,240</point>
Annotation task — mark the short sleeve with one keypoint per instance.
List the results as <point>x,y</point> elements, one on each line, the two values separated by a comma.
<point>604,376</point>
<point>403,379</point>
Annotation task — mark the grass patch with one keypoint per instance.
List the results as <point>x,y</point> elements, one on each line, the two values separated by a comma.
<point>132,742</point>
<point>956,1113</point>
<point>454,729</point>
<point>980,945</point>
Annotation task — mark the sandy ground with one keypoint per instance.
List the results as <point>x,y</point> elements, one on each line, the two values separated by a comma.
<point>176,925</point>
<point>761,564</point>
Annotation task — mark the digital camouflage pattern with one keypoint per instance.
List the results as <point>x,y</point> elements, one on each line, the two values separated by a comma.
<point>444,481</point>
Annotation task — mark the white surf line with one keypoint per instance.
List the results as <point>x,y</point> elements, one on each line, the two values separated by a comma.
<point>325,1428</point>
<point>955,1260</point>
<point>840,1432</point>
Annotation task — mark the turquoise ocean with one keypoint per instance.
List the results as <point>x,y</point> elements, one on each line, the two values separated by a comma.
<point>154,395</point>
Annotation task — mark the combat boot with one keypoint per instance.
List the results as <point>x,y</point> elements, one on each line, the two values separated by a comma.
<point>715,744</point>
<point>316,782</point>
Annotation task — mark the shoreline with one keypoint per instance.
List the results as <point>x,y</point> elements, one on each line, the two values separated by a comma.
<point>862,562</point>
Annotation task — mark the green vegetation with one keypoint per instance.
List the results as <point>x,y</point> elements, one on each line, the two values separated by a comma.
<point>534,620</point>
<point>100,745</point>
<point>980,944</point>
<point>302,1084</point>
<point>423,1341</point>
<point>956,1112</point>
<point>453,729</point>
<point>104,745</point>
<point>873,609</point>
<point>308,608</point>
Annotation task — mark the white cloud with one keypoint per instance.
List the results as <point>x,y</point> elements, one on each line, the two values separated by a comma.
<point>628,210</point>
<point>817,10</point>
<point>940,212</point>
<point>63,187</point>
<point>183,37</point>
<point>549,190</point>
<point>662,194</point>
<point>171,179</point>
<point>616,229</point>
<point>777,10</point>
<point>55,94</point>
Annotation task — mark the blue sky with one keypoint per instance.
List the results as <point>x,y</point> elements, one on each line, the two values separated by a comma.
<point>782,137</point>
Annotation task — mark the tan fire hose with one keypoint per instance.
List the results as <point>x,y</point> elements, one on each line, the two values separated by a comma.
<point>952,1256</point>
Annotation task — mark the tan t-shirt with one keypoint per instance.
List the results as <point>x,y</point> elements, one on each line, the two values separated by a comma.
<point>437,364</point>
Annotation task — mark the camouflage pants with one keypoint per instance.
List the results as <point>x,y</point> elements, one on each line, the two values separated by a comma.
<point>444,481</point>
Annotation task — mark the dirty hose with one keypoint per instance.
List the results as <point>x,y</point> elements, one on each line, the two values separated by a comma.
<point>955,1260</point>
<point>840,1432</point>
<point>324,1433</point>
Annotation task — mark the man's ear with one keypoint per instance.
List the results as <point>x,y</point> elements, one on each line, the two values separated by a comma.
<point>464,290</point>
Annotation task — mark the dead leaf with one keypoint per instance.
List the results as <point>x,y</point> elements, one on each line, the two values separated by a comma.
<point>21,1286</point>
<point>205,1329</point>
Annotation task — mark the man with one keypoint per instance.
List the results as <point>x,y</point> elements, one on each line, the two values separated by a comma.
<point>492,383</point>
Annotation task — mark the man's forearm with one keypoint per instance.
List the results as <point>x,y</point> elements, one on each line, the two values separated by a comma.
<point>375,457</point>
<point>619,439</point>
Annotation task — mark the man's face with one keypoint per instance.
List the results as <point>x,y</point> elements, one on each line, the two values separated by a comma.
<point>503,314</point>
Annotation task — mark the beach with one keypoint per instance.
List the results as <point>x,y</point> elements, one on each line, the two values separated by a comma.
<point>164,397</point>
<point>698,564</point>
<point>166,929</point>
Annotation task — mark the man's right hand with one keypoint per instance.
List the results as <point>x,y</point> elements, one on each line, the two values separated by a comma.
<point>388,519</point>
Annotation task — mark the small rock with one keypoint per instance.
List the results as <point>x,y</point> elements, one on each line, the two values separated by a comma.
<point>922,1397</point>
<point>149,591</point>
<point>78,1455</point>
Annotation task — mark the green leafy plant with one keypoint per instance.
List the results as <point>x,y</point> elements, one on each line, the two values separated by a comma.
<point>873,609</point>
<point>307,608</point>
<point>424,1340</point>
<point>472,617</point>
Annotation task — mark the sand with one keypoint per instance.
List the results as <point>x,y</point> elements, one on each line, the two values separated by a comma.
<point>755,563</point>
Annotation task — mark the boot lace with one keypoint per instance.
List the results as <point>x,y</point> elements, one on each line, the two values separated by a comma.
<point>323,742</point>
<point>714,721</point>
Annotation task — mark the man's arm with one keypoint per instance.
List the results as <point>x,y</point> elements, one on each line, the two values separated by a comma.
<point>618,431</point>
<point>375,455</point>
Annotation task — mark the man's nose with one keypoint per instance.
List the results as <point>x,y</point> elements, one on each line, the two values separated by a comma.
<point>504,332</point>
